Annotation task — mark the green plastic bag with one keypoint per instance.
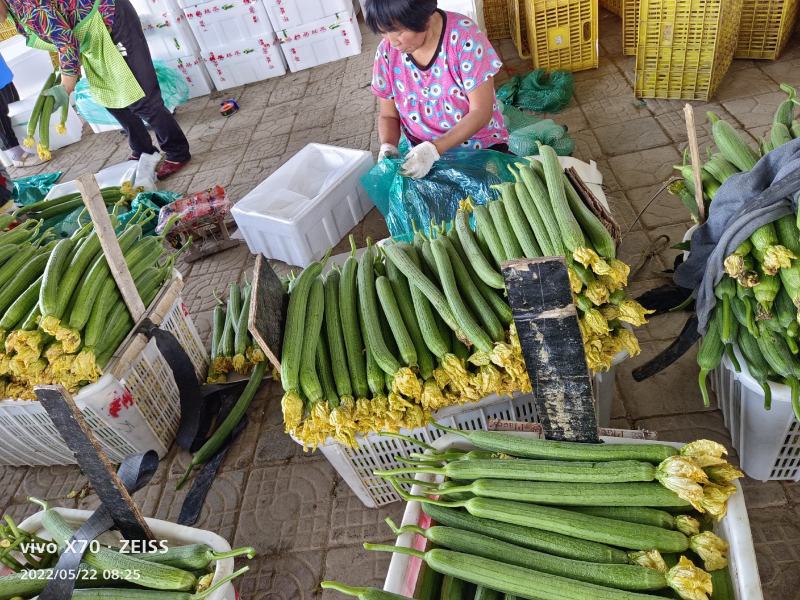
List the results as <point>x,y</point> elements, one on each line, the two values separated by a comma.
<point>539,91</point>
<point>28,190</point>
<point>152,200</point>
<point>525,130</point>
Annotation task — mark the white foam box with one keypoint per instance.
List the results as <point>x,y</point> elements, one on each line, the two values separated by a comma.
<point>169,36</point>
<point>223,22</point>
<point>20,114</point>
<point>30,67</point>
<point>244,62</point>
<point>287,14</point>
<point>157,7</point>
<point>471,8</point>
<point>308,205</point>
<point>194,72</point>
<point>323,41</point>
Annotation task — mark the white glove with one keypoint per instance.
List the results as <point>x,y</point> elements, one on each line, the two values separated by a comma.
<point>419,160</point>
<point>388,151</point>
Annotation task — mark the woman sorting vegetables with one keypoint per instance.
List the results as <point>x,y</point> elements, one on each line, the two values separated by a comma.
<point>434,74</point>
<point>104,37</point>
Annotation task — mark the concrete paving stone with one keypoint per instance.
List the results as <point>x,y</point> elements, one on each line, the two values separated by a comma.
<point>232,138</point>
<point>361,141</point>
<point>659,208</point>
<point>10,478</point>
<point>244,119</point>
<point>687,427</point>
<point>586,145</point>
<point>636,249</point>
<point>355,566</point>
<point>300,139</point>
<point>658,106</point>
<point>265,130</point>
<point>220,512</point>
<point>674,123</point>
<point>763,494</point>
<point>646,167</point>
<point>179,183</point>
<point>792,490</point>
<point>354,523</point>
<point>744,82</point>
<point>631,136</point>
<point>146,499</point>
<point>758,133</point>
<point>253,172</point>
<point>604,69</point>
<point>188,118</point>
<point>292,88</point>
<point>274,446</point>
<point>211,177</point>
<point>670,235</point>
<point>572,118</point>
<point>612,111</point>
<point>374,227</point>
<point>327,72</point>
<point>227,264</point>
<point>622,211</point>
<point>593,90</point>
<point>316,111</point>
<point>673,391</point>
<point>363,123</point>
<point>237,191</point>
<point>610,182</point>
<point>49,483</point>
<point>288,576</point>
<point>612,44</point>
<point>776,536</point>
<point>354,105</point>
<point>287,507</point>
<point>752,111</point>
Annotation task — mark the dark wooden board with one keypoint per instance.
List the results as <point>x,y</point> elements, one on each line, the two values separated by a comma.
<point>268,311</point>
<point>93,462</point>
<point>547,324</point>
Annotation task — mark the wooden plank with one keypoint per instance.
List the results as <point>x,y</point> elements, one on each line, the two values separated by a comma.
<point>93,199</point>
<point>694,152</point>
<point>268,306</point>
<point>591,201</point>
<point>93,462</point>
<point>547,324</point>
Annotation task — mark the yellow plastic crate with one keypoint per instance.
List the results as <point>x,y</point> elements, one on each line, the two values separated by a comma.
<point>496,17</point>
<point>563,33</point>
<point>685,47</point>
<point>7,31</point>
<point>765,27</point>
<point>630,26</point>
<point>519,27</point>
<point>613,6</point>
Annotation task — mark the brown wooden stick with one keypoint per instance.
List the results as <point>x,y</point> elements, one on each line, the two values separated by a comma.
<point>93,199</point>
<point>694,152</point>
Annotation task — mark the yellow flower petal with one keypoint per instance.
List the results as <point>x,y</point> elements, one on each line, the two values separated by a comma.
<point>597,293</point>
<point>292,407</point>
<point>594,322</point>
<point>715,499</point>
<point>628,341</point>
<point>650,559</point>
<point>723,474</point>
<point>687,525</point>
<point>632,312</point>
<point>690,582</point>
<point>705,452</point>
<point>575,282</point>
<point>712,549</point>
<point>734,265</point>
<point>777,257</point>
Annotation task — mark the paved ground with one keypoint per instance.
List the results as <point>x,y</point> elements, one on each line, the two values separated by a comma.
<point>304,521</point>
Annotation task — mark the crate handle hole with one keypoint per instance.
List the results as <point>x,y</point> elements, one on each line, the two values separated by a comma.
<point>587,31</point>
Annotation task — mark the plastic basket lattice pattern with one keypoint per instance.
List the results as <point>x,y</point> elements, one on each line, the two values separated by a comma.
<point>496,18</point>
<point>519,27</point>
<point>685,47</point>
<point>613,6</point>
<point>630,26</point>
<point>765,27</point>
<point>563,34</point>
<point>7,31</point>
<point>134,407</point>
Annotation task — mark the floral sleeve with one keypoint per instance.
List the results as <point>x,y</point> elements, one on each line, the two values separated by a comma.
<point>51,25</point>
<point>381,81</point>
<point>477,58</point>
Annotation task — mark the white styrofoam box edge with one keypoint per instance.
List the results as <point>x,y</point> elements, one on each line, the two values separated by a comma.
<point>110,176</point>
<point>286,34</point>
<point>734,528</point>
<point>162,530</point>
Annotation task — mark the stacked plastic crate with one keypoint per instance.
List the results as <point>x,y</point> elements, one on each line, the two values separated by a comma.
<point>315,32</point>
<point>172,42</point>
<point>236,39</point>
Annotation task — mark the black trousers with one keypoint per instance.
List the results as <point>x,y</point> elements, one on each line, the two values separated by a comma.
<point>8,139</point>
<point>127,30</point>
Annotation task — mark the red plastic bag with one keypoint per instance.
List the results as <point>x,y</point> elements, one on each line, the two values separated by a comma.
<point>195,210</point>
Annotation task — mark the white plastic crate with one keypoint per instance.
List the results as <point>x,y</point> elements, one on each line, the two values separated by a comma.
<point>323,41</point>
<point>30,67</point>
<point>173,534</point>
<point>767,441</point>
<point>734,528</point>
<point>218,23</point>
<point>287,14</point>
<point>169,36</point>
<point>247,61</point>
<point>355,465</point>
<point>308,205</point>
<point>193,70</point>
<point>133,407</point>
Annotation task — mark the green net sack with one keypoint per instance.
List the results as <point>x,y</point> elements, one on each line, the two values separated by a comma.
<point>174,91</point>
<point>525,130</point>
<point>539,91</point>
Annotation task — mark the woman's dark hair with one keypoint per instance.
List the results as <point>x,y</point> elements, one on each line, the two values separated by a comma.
<point>392,15</point>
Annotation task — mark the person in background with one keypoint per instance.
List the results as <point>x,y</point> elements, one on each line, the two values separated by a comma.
<point>8,139</point>
<point>105,37</point>
<point>434,74</point>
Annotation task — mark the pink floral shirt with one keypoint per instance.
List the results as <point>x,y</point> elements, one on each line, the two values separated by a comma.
<point>432,101</point>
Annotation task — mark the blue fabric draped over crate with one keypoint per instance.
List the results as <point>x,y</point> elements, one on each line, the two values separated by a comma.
<point>745,202</point>
<point>459,173</point>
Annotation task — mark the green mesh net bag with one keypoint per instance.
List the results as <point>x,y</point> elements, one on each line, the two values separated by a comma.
<point>539,91</point>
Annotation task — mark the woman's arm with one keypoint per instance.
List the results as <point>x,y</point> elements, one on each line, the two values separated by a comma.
<point>481,107</point>
<point>388,123</point>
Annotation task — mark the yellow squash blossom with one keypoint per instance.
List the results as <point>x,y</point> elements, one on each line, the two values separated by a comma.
<point>711,548</point>
<point>628,341</point>
<point>690,582</point>
<point>723,474</point>
<point>597,293</point>
<point>705,452</point>
<point>575,282</point>
<point>650,559</point>
<point>715,499</point>
<point>734,265</point>
<point>590,259</point>
<point>684,477</point>
<point>687,525</point>
<point>292,407</point>
<point>632,312</point>
<point>775,258</point>
<point>595,322</point>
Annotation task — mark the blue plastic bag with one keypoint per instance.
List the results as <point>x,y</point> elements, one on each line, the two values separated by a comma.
<point>174,91</point>
<point>152,200</point>
<point>457,174</point>
<point>28,190</point>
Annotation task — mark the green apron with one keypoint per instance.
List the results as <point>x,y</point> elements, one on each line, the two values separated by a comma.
<point>111,81</point>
